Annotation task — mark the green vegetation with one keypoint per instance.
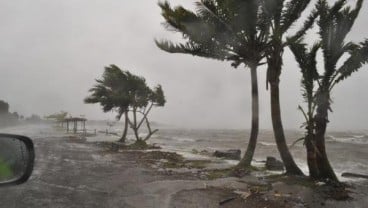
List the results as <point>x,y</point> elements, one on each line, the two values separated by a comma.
<point>5,171</point>
<point>219,173</point>
<point>139,145</point>
<point>123,92</point>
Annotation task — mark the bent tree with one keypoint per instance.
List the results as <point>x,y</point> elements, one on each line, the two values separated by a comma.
<point>110,92</point>
<point>233,30</point>
<point>334,24</point>
<point>123,92</point>
<point>142,99</point>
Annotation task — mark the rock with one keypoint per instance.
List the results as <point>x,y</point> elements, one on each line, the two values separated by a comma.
<point>354,175</point>
<point>274,164</point>
<point>232,154</point>
<point>115,146</point>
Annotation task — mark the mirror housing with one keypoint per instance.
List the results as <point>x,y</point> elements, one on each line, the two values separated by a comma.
<point>16,159</point>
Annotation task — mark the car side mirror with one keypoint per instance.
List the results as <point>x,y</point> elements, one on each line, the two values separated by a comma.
<point>16,159</point>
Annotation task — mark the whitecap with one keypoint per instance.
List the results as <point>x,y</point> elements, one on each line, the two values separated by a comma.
<point>350,140</point>
<point>267,143</point>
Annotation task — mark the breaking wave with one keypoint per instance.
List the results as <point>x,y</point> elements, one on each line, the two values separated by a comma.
<point>267,143</point>
<point>357,139</point>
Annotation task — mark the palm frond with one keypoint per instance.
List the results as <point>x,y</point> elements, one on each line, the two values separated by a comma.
<point>308,24</point>
<point>356,60</point>
<point>291,12</point>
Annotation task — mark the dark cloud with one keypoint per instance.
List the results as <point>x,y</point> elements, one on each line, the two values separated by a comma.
<point>52,51</point>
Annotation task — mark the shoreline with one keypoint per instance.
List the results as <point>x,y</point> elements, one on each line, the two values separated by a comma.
<point>160,181</point>
<point>250,190</point>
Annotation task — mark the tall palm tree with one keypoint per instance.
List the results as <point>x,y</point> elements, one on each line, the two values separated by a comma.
<point>334,24</point>
<point>282,14</point>
<point>226,30</point>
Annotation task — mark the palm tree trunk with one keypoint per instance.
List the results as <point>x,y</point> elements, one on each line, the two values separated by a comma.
<point>123,137</point>
<point>312,156</point>
<point>245,162</point>
<point>324,166</point>
<point>290,165</point>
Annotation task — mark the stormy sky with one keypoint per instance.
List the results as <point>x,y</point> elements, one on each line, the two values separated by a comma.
<point>51,52</point>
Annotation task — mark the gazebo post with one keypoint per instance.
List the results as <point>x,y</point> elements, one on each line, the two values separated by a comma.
<point>75,126</point>
<point>84,127</point>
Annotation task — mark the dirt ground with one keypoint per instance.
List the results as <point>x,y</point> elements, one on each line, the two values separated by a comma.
<point>71,173</point>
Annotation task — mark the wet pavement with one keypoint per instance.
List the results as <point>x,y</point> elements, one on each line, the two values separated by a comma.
<point>70,173</point>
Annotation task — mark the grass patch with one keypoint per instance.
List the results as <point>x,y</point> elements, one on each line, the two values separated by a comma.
<point>163,159</point>
<point>292,180</point>
<point>198,164</point>
<point>137,145</point>
<point>172,160</point>
<point>219,173</point>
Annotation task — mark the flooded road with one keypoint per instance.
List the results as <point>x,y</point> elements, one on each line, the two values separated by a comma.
<point>72,174</point>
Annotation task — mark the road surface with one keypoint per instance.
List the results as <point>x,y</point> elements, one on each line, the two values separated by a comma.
<point>72,174</point>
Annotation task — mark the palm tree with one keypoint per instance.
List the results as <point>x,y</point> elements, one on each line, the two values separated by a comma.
<point>231,30</point>
<point>307,63</point>
<point>110,92</point>
<point>282,14</point>
<point>334,25</point>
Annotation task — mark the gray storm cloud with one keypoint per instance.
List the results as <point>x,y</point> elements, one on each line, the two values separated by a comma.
<point>51,52</point>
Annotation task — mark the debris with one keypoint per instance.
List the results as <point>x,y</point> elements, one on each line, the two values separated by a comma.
<point>226,200</point>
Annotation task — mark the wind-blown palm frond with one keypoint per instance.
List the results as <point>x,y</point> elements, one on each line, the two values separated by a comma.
<point>195,50</point>
<point>356,60</point>
<point>272,9</point>
<point>306,26</point>
<point>291,12</point>
<point>219,29</point>
<point>335,23</point>
<point>307,62</point>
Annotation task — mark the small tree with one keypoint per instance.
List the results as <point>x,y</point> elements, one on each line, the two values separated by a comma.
<point>124,92</point>
<point>110,92</point>
<point>57,116</point>
<point>141,101</point>
<point>308,66</point>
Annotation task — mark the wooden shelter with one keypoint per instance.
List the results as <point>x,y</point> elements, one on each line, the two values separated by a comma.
<point>74,121</point>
